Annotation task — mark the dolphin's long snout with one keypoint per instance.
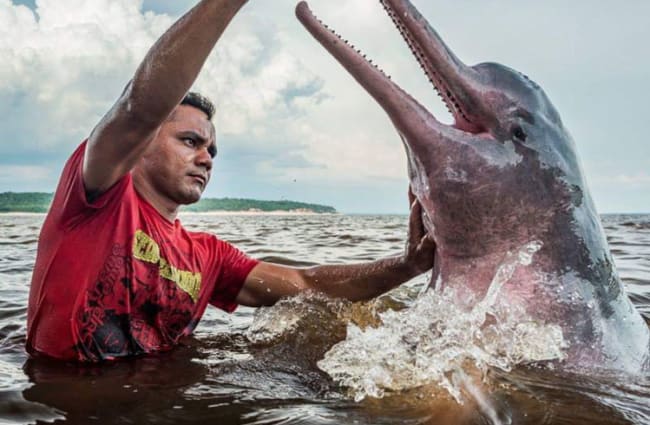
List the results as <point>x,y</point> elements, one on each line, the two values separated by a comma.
<point>403,109</point>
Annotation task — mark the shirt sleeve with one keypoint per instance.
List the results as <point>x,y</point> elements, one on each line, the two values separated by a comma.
<point>235,267</point>
<point>70,202</point>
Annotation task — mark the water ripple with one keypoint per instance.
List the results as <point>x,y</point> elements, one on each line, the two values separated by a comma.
<point>220,376</point>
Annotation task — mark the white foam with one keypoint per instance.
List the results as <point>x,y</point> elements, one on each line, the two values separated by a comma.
<point>434,340</point>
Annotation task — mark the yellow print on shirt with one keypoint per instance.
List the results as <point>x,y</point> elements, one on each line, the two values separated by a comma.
<point>147,250</point>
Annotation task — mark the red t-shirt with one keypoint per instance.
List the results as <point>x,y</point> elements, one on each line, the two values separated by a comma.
<point>114,278</point>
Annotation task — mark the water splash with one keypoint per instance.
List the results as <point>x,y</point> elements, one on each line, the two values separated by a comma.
<point>434,340</point>
<point>311,313</point>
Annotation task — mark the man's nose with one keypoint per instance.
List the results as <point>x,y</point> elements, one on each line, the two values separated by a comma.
<point>203,158</point>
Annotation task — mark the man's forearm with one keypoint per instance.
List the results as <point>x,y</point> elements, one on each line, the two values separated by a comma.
<point>358,282</point>
<point>172,65</point>
<point>267,283</point>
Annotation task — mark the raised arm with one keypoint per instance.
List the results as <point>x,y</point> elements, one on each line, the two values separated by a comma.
<point>160,83</point>
<point>267,283</point>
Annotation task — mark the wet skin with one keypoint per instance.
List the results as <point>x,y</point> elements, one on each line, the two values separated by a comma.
<point>505,174</point>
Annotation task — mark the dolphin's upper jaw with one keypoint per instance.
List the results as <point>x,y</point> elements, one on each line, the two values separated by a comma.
<point>409,116</point>
<point>436,60</point>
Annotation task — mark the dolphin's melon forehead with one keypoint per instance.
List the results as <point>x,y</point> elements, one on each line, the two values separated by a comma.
<point>517,87</point>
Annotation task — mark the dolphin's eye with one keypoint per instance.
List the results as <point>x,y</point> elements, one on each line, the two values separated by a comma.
<point>518,133</point>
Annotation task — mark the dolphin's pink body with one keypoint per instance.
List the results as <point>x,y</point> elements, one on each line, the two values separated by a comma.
<point>504,175</point>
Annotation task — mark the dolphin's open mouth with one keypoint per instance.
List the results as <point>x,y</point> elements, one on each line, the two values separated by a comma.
<point>416,48</point>
<point>449,76</point>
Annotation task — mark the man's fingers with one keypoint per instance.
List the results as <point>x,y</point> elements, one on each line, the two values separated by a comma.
<point>427,241</point>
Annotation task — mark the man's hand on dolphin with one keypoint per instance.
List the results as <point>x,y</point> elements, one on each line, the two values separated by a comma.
<point>267,282</point>
<point>420,246</point>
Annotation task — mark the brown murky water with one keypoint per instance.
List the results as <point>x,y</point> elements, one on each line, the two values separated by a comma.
<point>232,373</point>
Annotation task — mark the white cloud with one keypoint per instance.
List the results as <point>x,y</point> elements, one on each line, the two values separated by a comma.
<point>68,60</point>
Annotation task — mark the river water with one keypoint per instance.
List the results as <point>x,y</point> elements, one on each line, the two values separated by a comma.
<point>311,360</point>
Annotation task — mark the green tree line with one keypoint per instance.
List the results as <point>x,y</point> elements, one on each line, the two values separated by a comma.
<point>38,202</point>
<point>236,204</point>
<point>35,202</point>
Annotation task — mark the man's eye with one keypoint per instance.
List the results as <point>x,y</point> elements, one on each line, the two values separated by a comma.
<point>189,142</point>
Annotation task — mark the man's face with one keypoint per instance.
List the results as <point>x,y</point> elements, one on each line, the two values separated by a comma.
<point>178,162</point>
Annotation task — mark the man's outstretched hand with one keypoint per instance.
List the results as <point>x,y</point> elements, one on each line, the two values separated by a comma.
<point>420,247</point>
<point>267,282</point>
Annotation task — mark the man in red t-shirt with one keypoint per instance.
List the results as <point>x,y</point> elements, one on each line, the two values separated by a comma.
<point>116,273</point>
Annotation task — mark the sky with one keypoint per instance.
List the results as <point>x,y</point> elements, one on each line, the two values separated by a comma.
<point>291,123</point>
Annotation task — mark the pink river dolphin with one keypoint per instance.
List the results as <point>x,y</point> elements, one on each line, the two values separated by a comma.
<point>504,175</point>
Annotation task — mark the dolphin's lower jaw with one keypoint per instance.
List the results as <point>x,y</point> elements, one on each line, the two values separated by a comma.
<point>505,174</point>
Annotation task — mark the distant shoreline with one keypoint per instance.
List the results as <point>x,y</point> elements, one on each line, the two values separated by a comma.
<point>245,212</point>
<point>39,202</point>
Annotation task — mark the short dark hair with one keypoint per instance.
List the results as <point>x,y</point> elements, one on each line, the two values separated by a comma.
<point>199,102</point>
